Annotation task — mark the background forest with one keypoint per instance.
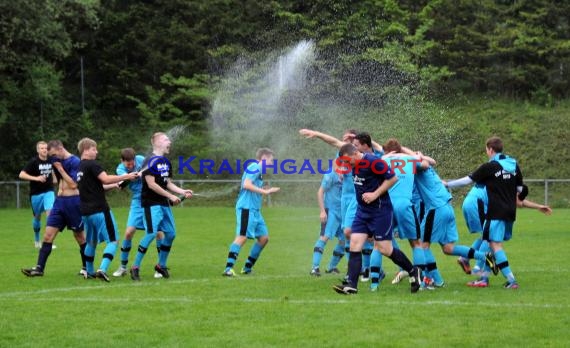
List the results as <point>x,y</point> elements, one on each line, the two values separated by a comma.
<point>441,75</point>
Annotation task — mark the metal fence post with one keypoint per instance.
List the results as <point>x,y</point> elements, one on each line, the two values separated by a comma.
<point>17,195</point>
<point>545,191</point>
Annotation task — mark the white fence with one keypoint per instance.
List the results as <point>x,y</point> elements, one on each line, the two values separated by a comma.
<point>14,194</point>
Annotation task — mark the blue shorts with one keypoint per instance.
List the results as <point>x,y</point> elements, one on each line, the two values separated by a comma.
<point>136,216</point>
<point>497,230</point>
<point>348,207</point>
<point>42,202</point>
<point>377,224</point>
<point>405,219</point>
<point>439,226</point>
<point>474,213</point>
<point>65,213</point>
<point>332,228</point>
<point>100,227</point>
<point>250,223</point>
<point>159,218</point>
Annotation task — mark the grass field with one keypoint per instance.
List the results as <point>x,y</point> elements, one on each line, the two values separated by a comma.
<point>279,304</point>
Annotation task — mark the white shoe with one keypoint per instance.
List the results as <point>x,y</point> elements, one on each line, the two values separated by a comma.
<point>120,272</point>
<point>157,275</point>
<point>53,246</point>
<point>37,245</point>
<point>399,276</point>
<point>83,272</point>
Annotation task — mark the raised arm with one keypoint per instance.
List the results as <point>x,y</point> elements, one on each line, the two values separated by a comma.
<point>308,133</point>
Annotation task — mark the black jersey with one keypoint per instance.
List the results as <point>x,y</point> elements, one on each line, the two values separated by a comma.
<point>501,178</point>
<point>35,167</point>
<point>159,167</point>
<point>91,191</point>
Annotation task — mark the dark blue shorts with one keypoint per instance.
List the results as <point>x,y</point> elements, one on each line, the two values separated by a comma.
<point>376,224</point>
<point>66,213</point>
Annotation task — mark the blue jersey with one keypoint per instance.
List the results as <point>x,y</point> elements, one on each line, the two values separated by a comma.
<point>369,178</point>
<point>404,168</point>
<point>71,167</point>
<point>246,198</point>
<point>134,185</point>
<point>431,189</point>
<point>332,187</point>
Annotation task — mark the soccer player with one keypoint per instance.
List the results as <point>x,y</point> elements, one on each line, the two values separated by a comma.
<point>250,222</point>
<point>503,179</point>
<point>130,162</point>
<point>158,193</point>
<point>38,171</point>
<point>372,180</point>
<point>474,207</point>
<point>65,211</point>
<point>329,197</point>
<point>404,166</point>
<point>98,219</point>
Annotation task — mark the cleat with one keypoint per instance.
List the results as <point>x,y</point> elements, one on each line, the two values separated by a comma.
<point>440,285</point>
<point>428,284</point>
<point>491,262</point>
<point>415,279</point>
<point>365,275</point>
<point>157,275</point>
<point>315,272</point>
<point>33,272</point>
<point>479,283</point>
<point>373,287</point>
<point>332,270</point>
<point>53,246</point>
<point>245,271</point>
<point>90,276</point>
<point>37,245</point>
<point>345,288</point>
<point>135,274</point>
<point>229,273</point>
<point>102,275</point>
<point>511,285</point>
<point>82,272</point>
<point>399,276</point>
<point>162,270</point>
<point>464,264</point>
<point>121,272</point>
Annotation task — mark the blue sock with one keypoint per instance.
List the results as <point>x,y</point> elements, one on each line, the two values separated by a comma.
<point>125,250</point>
<point>142,249</point>
<point>318,252</point>
<point>338,253</point>
<point>89,258</point>
<point>232,256</point>
<point>476,243</point>
<point>366,252</point>
<point>254,253</point>
<point>431,267</point>
<point>375,266</point>
<point>418,256</point>
<point>503,264</point>
<point>483,248</point>
<point>108,255</point>
<point>37,226</point>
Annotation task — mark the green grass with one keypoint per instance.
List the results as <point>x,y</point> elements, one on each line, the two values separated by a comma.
<point>280,304</point>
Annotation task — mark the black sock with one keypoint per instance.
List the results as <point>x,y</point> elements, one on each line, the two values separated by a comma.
<point>354,266</point>
<point>45,250</point>
<point>400,259</point>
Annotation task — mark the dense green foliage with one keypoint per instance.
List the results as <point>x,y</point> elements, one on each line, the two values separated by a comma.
<point>152,65</point>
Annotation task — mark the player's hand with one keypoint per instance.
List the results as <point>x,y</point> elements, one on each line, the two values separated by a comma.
<point>174,200</point>
<point>444,183</point>
<point>307,133</point>
<point>272,190</point>
<point>132,176</point>
<point>368,197</point>
<point>188,193</point>
<point>41,178</point>
<point>323,217</point>
<point>58,166</point>
<point>546,210</point>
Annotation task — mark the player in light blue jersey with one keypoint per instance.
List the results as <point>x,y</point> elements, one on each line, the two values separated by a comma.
<point>250,222</point>
<point>474,208</point>
<point>439,223</point>
<point>329,198</point>
<point>131,162</point>
<point>401,194</point>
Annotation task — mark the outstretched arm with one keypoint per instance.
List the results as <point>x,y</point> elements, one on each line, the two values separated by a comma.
<point>308,133</point>
<point>546,210</point>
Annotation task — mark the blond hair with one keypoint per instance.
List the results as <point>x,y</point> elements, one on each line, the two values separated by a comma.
<point>85,144</point>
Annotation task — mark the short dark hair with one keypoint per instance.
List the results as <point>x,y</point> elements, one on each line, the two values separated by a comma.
<point>127,154</point>
<point>495,143</point>
<point>347,150</point>
<point>364,139</point>
<point>264,151</point>
<point>54,144</point>
<point>392,145</point>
